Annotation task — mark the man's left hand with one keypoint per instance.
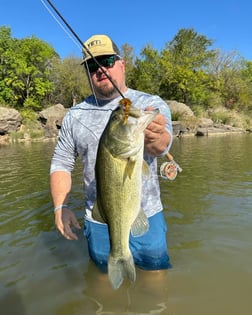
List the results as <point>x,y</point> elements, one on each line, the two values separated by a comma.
<point>156,136</point>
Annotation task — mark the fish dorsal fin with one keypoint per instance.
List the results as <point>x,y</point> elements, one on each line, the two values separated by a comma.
<point>141,225</point>
<point>96,215</point>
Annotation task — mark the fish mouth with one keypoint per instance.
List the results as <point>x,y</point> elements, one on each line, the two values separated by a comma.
<point>127,139</point>
<point>143,120</point>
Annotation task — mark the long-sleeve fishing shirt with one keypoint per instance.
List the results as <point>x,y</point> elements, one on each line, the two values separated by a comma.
<point>80,133</point>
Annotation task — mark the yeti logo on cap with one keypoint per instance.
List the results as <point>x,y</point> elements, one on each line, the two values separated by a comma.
<point>94,42</point>
<point>99,45</point>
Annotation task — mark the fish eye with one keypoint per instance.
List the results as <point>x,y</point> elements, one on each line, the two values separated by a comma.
<point>114,118</point>
<point>116,115</point>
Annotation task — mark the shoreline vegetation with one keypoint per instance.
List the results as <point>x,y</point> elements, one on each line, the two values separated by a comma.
<point>185,123</point>
<point>38,136</point>
<point>29,135</point>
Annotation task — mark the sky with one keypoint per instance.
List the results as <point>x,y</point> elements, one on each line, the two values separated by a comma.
<point>135,22</point>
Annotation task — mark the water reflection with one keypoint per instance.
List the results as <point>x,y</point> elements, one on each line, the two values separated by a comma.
<point>146,296</point>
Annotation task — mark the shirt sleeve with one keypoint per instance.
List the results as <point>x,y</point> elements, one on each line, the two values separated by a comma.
<point>65,153</point>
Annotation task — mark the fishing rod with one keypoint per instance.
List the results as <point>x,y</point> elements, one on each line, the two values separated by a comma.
<point>83,45</point>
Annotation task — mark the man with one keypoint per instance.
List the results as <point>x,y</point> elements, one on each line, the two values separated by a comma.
<point>79,136</point>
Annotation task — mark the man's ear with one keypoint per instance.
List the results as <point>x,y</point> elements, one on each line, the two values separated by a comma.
<point>122,61</point>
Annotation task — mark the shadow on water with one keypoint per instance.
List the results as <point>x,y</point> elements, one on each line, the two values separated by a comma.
<point>11,303</point>
<point>145,296</point>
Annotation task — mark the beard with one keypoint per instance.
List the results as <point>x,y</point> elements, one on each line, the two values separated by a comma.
<point>107,91</point>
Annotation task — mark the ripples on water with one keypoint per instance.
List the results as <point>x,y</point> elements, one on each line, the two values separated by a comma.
<point>208,210</point>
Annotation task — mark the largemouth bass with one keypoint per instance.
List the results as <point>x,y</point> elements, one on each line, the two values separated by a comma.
<point>119,168</point>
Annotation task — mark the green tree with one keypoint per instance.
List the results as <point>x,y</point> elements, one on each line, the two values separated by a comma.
<point>32,75</point>
<point>127,53</point>
<point>147,74</point>
<point>247,71</point>
<point>70,81</point>
<point>6,43</point>
<point>230,79</point>
<point>184,60</point>
<point>25,68</point>
<point>247,76</point>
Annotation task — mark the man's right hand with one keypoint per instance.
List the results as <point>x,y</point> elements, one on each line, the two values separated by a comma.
<point>64,219</point>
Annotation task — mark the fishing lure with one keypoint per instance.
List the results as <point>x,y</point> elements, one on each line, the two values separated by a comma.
<point>126,103</point>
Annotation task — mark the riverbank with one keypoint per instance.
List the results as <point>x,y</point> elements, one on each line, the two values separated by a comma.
<point>185,123</point>
<point>179,130</point>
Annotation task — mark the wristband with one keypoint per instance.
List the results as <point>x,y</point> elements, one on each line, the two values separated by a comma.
<point>60,207</point>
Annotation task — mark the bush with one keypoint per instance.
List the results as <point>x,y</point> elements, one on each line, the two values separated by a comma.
<point>32,104</point>
<point>199,111</point>
<point>17,136</point>
<point>176,116</point>
<point>36,134</point>
<point>220,116</point>
<point>230,117</point>
<point>28,115</point>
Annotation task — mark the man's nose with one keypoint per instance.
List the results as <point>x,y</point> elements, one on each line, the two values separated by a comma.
<point>101,70</point>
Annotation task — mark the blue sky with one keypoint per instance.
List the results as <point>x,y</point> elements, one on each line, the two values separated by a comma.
<point>135,22</point>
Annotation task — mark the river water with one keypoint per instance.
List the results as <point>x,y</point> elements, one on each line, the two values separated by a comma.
<point>208,208</point>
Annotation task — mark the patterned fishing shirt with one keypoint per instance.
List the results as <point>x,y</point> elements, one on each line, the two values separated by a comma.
<point>79,135</point>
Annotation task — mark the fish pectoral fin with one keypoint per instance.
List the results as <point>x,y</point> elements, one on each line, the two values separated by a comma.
<point>141,225</point>
<point>129,168</point>
<point>119,268</point>
<point>145,168</point>
<point>96,215</point>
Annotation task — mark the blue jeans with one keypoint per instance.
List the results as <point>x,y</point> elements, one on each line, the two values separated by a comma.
<point>149,251</point>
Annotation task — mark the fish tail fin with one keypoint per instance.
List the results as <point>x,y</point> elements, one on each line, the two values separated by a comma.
<point>119,268</point>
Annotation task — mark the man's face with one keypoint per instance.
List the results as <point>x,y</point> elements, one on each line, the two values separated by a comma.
<point>115,69</point>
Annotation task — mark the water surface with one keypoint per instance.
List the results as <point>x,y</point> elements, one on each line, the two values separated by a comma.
<point>208,209</point>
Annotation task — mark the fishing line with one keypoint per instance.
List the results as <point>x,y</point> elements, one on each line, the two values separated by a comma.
<point>61,25</point>
<point>82,44</point>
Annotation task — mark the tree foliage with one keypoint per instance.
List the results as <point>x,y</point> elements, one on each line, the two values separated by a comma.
<point>148,71</point>
<point>70,81</point>
<point>187,69</point>
<point>25,67</point>
<point>127,53</point>
<point>32,76</point>
<point>183,61</point>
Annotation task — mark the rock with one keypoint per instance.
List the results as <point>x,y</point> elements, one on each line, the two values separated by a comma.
<point>178,129</point>
<point>201,132</point>
<point>51,119</point>
<point>217,129</point>
<point>10,120</point>
<point>179,109</point>
<point>205,123</point>
<point>183,112</point>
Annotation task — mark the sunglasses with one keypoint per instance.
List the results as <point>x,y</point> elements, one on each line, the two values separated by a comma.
<point>104,61</point>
